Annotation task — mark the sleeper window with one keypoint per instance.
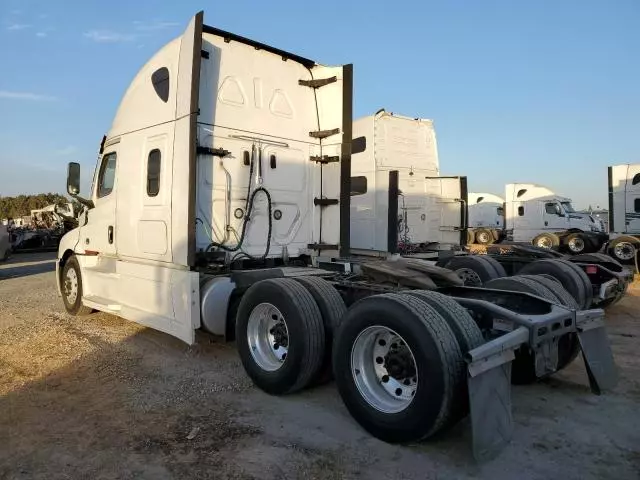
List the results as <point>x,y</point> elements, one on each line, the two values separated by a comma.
<point>358,186</point>
<point>153,173</point>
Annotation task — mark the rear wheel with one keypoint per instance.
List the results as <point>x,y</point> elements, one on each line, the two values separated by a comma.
<point>280,335</point>
<point>474,270</point>
<point>546,240</point>
<point>624,249</point>
<point>71,286</point>
<point>523,369</point>
<point>332,309</point>
<point>576,243</point>
<point>397,366</point>
<point>466,331</point>
<point>484,236</point>
<point>572,278</point>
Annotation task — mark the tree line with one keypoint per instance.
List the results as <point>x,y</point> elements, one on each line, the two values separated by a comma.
<point>20,206</point>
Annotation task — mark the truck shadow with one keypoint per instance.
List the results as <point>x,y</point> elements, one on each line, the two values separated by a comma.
<point>23,265</point>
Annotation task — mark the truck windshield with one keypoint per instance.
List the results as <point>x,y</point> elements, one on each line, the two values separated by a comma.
<point>567,207</point>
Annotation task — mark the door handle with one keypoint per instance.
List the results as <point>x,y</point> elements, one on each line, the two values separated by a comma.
<point>546,224</point>
<point>110,234</point>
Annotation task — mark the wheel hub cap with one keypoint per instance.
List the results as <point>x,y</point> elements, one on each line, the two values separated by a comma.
<point>71,286</point>
<point>624,250</point>
<point>576,244</point>
<point>268,337</point>
<point>469,277</point>
<point>384,369</point>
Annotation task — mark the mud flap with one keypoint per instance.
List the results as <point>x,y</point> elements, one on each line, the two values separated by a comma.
<point>489,382</point>
<point>596,351</point>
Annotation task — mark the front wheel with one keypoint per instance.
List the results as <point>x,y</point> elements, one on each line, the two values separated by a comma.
<point>71,286</point>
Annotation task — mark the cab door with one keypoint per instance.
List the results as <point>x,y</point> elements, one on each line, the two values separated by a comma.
<point>98,236</point>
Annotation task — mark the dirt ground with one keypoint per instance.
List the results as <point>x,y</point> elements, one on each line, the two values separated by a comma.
<point>100,397</point>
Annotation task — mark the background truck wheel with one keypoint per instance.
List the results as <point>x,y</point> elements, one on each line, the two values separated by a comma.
<point>546,240</point>
<point>624,249</point>
<point>576,282</point>
<point>332,309</point>
<point>474,270</point>
<point>71,286</point>
<point>280,335</point>
<point>484,236</point>
<point>467,334</point>
<point>576,243</point>
<point>397,366</point>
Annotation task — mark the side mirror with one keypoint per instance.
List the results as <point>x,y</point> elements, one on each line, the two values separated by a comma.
<point>73,179</point>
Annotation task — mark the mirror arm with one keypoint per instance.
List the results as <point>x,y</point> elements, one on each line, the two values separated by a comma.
<point>84,201</point>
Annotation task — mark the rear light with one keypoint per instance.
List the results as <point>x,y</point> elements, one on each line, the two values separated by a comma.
<point>591,269</point>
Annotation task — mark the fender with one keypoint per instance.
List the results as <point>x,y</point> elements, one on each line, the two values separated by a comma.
<point>66,248</point>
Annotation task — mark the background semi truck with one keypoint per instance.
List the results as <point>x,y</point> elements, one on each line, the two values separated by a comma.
<point>400,204</point>
<point>431,209</point>
<point>534,214</point>
<point>624,212</point>
<point>221,201</point>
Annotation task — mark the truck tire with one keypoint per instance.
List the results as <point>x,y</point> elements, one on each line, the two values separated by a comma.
<point>624,249</point>
<point>523,370</point>
<point>466,332</point>
<point>497,266</point>
<point>546,240</point>
<point>280,335</point>
<point>71,286</point>
<point>397,367</point>
<point>332,309</point>
<point>599,259</point>
<point>484,237</point>
<point>562,270</point>
<point>588,286</point>
<point>568,345</point>
<point>472,269</point>
<point>562,296</point>
<point>576,243</point>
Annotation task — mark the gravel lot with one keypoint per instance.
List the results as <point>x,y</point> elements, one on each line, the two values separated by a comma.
<point>100,397</point>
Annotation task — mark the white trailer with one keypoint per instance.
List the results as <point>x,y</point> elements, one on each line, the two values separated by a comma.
<point>624,211</point>
<point>221,202</point>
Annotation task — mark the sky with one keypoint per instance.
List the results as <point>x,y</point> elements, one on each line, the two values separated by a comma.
<point>541,91</point>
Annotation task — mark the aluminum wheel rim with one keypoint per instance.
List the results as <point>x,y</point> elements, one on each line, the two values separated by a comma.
<point>384,369</point>
<point>624,250</point>
<point>576,244</point>
<point>71,286</point>
<point>469,277</point>
<point>544,242</point>
<point>483,237</point>
<point>268,337</point>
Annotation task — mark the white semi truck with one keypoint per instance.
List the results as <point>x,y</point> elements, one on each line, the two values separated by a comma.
<point>397,169</point>
<point>534,214</point>
<point>624,212</point>
<point>221,201</point>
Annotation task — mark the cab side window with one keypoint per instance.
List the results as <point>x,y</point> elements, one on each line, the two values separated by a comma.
<point>107,175</point>
<point>551,208</point>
